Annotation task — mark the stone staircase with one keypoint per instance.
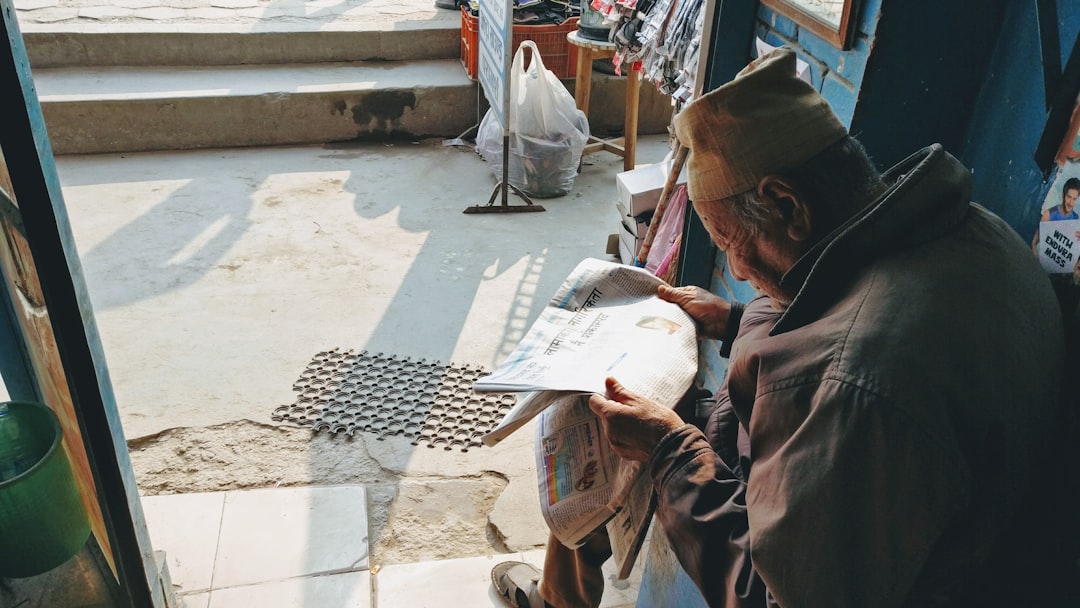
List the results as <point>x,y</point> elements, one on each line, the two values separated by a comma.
<point>278,73</point>
<point>226,86</point>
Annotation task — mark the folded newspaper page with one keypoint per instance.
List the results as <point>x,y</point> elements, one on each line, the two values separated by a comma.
<point>584,485</point>
<point>605,320</point>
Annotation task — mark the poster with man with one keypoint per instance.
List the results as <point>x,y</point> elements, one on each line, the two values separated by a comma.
<point>1058,240</point>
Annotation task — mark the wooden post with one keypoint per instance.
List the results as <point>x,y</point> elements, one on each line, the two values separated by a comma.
<point>583,79</point>
<point>630,123</point>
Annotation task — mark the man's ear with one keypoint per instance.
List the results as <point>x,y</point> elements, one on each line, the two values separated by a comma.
<point>784,198</point>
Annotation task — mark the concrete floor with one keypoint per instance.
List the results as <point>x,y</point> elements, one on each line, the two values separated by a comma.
<point>217,275</point>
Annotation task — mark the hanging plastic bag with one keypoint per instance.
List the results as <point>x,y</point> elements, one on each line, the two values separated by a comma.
<point>547,131</point>
<point>665,246</point>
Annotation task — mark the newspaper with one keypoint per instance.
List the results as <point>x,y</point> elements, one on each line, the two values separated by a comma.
<point>605,320</point>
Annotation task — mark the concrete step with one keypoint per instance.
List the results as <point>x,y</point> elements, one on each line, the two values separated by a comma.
<point>115,77</point>
<point>222,44</point>
<point>131,108</point>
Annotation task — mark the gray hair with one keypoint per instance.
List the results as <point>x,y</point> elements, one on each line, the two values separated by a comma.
<point>838,182</point>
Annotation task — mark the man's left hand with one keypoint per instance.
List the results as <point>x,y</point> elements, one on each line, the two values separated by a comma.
<point>633,424</point>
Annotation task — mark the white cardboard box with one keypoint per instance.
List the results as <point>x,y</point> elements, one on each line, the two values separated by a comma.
<point>635,226</point>
<point>626,256</point>
<point>640,188</point>
<point>629,243</point>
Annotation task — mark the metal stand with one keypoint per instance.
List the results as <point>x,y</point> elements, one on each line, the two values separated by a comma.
<point>503,185</point>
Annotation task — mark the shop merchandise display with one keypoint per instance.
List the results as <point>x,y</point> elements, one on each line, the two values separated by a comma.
<point>663,35</point>
<point>535,12</point>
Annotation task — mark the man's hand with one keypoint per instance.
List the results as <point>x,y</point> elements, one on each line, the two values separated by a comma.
<point>709,310</point>
<point>633,424</point>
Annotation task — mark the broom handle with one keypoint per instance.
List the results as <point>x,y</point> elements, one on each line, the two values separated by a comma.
<point>681,152</point>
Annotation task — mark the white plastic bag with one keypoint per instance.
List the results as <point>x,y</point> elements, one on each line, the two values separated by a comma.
<point>547,131</point>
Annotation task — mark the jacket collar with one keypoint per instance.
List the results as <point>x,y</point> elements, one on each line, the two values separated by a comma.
<point>929,195</point>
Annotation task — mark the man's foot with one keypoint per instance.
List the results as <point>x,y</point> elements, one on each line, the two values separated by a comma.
<point>517,584</point>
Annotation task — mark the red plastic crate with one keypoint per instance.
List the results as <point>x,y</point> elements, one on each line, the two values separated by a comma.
<point>559,55</point>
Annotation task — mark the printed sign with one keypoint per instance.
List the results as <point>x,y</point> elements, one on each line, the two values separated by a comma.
<point>494,58</point>
<point>1059,245</point>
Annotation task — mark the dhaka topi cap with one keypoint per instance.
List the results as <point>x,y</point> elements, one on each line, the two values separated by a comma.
<point>764,121</point>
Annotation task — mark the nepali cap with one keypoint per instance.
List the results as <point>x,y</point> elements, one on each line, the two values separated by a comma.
<point>764,121</point>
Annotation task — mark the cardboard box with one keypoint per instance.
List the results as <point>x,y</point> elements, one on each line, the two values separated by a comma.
<point>640,188</point>
<point>612,244</point>
<point>629,243</point>
<point>625,255</point>
<point>635,226</point>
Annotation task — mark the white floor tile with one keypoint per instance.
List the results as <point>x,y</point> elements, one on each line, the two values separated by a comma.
<point>348,590</point>
<point>276,534</point>
<point>464,582</point>
<point>185,527</point>
<point>194,600</point>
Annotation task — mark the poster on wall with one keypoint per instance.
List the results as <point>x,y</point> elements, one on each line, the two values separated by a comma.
<point>1059,246</point>
<point>1057,241</point>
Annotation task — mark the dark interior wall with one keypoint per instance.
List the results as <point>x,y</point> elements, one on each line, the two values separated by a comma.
<point>924,74</point>
<point>1010,115</point>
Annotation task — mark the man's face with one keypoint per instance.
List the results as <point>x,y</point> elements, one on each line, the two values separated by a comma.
<point>760,259</point>
<point>1068,200</point>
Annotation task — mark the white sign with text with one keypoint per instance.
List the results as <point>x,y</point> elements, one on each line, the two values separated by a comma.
<point>1059,245</point>
<point>494,65</point>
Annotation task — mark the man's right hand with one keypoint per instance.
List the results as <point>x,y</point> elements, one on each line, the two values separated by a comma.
<point>709,310</point>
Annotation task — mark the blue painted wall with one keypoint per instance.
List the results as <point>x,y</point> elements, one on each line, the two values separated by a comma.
<point>924,75</point>
<point>837,74</point>
<point>1009,116</point>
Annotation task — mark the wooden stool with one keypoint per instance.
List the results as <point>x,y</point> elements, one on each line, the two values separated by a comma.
<point>588,51</point>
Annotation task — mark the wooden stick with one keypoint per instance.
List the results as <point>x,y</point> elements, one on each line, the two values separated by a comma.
<point>677,163</point>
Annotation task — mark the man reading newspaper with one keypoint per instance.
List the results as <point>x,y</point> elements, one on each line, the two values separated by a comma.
<point>606,319</point>
<point>887,429</point>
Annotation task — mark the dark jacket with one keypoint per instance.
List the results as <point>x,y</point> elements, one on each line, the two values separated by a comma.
<point>874,444</point>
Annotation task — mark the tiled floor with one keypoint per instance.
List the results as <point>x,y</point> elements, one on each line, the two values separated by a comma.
<point>308,548</point>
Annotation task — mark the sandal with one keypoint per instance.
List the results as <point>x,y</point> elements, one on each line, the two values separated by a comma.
<point>517,585</point>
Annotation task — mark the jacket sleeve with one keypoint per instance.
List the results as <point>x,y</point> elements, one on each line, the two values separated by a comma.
<point>700,481</point>
<point>701,505</point>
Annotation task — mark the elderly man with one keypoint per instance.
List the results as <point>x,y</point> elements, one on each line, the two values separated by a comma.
<point>892,391</point>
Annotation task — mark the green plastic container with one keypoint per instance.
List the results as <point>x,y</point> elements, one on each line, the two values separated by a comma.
<point>42,519</point>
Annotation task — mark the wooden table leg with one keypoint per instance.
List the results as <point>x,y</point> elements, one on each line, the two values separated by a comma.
<point>631,120</point>
<point>583,80</point>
